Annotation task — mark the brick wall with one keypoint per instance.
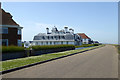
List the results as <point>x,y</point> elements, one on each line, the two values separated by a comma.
<point>12,36</point>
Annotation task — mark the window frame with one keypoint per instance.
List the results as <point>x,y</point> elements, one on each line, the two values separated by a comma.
<point>19,31</point>
<point>5,40</point>
<point>2,30</point>
<point>19,42</point>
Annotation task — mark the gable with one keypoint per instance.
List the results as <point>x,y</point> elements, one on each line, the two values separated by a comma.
<point>84,36</point>
<point>7,18</point>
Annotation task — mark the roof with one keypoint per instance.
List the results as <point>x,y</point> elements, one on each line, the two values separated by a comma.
<point>83,35</point>
<point>7,19</point>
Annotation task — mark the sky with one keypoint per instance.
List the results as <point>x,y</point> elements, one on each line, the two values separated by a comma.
<point>98,20</point>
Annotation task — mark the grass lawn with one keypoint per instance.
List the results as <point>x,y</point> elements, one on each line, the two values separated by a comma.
<point>9,64</point>
<point>118,47</point>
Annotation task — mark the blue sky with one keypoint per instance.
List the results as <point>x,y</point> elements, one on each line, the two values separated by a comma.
<point>99,20</point>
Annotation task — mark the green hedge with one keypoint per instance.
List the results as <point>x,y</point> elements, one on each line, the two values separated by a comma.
<point>96,44</point>
<point>47,47</point>
<point>10,49</point>
<point>87,45</point>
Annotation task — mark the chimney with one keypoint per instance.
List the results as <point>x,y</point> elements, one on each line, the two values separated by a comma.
<point>66,28</point>
<point>71,30</point>
<point>47,30</point>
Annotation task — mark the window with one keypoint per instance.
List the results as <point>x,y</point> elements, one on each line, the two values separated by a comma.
<point>61,42</point>
<point>56,37</point>
<point>5,42</point>
<point>19,31</point>
<point>19,42</point>
<point>41,43</point>
<point>84,42</point>
<point>67,42</point>
<point>47,43</point>
<point>52,37</point>
<point>43,37</point>
<point>48,37</point>
<point>63,37</point>
<point>54,43</point>
<point>26,44</point>
<point>50,43</point>
<point>59,37</point>
<point>36,43</point>
<point>4,30</point>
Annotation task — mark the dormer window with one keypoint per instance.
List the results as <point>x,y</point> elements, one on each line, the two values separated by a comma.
<point>43,37</point>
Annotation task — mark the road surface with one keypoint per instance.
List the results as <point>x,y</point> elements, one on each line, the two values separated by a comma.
<point>98,63</point>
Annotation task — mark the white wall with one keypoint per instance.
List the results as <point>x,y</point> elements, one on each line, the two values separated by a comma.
<point>56,42</point>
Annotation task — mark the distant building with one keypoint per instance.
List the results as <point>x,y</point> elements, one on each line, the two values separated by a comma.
<point>56,36</point>
<point>85,38</point>
<point>95,42</point>
<point>10,30</point>
<point>27,44</point>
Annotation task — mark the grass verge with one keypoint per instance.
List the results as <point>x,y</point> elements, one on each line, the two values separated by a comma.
<point>9,64</point>
<point>118,47</point>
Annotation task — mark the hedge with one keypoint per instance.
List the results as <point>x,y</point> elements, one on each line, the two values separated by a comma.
<point>86,45</point>
<point>47,47</point>
<point>11,49</point>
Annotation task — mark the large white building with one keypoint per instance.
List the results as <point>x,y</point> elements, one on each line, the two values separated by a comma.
<point>56,36</point>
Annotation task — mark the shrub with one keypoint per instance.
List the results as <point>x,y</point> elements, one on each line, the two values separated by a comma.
<point>10,49</point>
<point>118,46</point>
<point>96,44</point>
<point>22,44</point>
<point>47,47</point>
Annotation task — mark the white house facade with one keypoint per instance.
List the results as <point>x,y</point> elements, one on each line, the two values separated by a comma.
<point>56,37</point>
<point>85,38</point>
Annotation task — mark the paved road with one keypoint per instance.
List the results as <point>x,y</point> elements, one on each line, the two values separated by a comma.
<point>98,63</point>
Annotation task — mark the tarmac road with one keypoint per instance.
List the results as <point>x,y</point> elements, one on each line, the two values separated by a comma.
<point>98,63</point>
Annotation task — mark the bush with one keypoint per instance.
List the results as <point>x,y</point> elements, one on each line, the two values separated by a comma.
<point>96,44</point>
<point>10,49</point>
<point>22,44</point>
<point>48,47</point>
